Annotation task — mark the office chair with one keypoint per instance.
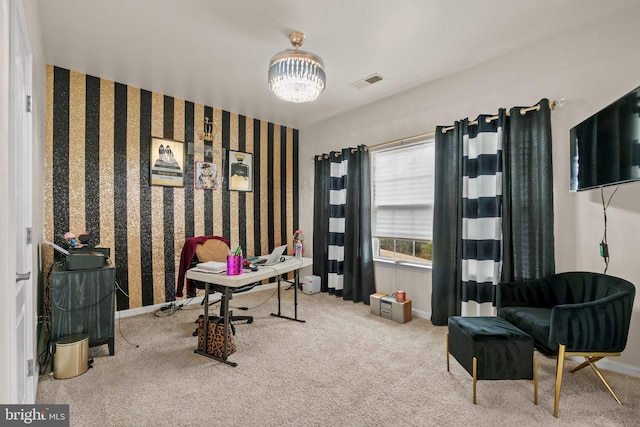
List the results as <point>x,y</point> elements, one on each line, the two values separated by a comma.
<point>216,249</point>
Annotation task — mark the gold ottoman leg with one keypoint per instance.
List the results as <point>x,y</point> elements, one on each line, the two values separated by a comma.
<point>559,368</point>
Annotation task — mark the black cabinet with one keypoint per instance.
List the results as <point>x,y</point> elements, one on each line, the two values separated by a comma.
<point>82,301</point>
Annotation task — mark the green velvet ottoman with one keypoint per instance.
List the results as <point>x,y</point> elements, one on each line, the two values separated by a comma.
<point>490,348</point>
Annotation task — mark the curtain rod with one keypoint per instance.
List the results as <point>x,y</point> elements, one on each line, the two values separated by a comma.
<point>399,141</point>
<point>336,154</point>
<point>523,111</point>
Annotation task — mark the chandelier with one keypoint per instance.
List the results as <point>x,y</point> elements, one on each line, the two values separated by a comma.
<point>296,75</point>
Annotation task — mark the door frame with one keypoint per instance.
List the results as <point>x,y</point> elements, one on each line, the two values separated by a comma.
<point>18,347</point>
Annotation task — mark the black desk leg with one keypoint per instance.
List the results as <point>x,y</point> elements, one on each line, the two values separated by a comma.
<point>295,300</point>
<point>205,326</point>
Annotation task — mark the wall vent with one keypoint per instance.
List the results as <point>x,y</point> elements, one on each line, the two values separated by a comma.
<point>367,81</point>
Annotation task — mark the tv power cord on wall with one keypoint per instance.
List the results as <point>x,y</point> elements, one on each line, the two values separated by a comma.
<point>604,247</point>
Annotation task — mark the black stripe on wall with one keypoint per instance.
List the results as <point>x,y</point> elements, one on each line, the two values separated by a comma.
<point>284,231</point>
<point>296,172</point>
<point>169,228</point>
<point>208,195</point>
<point>92,157</point>
<point>257,249</point>
<point>226,203</point>
<point>120,194</point>
<point>61,81</point>
<point>242,195</point>
<point>189,228</point>
<point>146,244</point>
<point>269,190</point>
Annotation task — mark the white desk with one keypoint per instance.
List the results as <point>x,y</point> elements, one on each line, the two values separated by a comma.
<point>229,282</point>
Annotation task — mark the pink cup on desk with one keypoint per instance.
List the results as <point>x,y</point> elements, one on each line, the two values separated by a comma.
<point>234,265</point>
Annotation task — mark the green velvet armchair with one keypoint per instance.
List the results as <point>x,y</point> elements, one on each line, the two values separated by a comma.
<point>571,314</point>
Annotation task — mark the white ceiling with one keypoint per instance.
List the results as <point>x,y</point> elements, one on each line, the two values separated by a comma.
<point>216,52</point>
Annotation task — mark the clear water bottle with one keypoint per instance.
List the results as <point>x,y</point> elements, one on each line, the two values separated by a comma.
<point>298,249</point>
<point>298,238</point>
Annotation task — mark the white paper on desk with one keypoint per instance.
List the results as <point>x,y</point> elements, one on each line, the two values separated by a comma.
<point>211,267</point>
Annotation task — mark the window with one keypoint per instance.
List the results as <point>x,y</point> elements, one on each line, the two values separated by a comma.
<point>402,180</point>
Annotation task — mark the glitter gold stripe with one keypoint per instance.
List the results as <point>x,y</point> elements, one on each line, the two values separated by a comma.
<point>107,94</point>
<point>250,214</point>
<point>233,195</point>
<point>217,158</point>
<point>157,207</point>
<point>178,192</point>
<point>198,156</point>
<point>133,197</point>
<point>47,253</point>
<point>77,115</point>
<point>264,188</point>
<point>289,194</point>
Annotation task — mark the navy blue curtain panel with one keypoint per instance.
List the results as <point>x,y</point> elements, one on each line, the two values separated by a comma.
<point>528,195</point>
<point>447,225</point>
<point>321,187</point>
<point>359,281</point>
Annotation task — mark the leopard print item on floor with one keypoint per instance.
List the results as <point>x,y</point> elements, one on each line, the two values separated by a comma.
<point>215,340</point>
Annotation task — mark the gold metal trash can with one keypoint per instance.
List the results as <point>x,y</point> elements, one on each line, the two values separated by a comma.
<point>71,356</point>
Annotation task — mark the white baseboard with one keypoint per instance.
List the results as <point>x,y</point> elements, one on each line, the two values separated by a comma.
<point>421,314</point>
<point>186,301</point>
<point>613,366</point>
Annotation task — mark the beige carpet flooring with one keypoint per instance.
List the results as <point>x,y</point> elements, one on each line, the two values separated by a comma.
<point>343,367</point>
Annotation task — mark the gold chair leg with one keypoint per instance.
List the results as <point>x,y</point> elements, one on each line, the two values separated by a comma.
<point>591,363</point>
<point>559,368</point>
<point>475,378</point>
<point>446,337</point>
<point>587,362</point>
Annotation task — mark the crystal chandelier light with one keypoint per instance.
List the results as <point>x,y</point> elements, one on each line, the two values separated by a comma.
<point>296,75</point>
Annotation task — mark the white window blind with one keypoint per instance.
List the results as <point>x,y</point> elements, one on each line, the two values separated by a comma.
<point>403,191</point>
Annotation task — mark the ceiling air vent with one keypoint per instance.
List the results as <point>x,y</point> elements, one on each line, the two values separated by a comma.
<point>367,81</point>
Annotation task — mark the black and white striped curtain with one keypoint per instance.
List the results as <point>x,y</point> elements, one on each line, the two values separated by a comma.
<point>342,251</point>
<point>493,208</point>
<point>481,214</point>
<point>337,204</point>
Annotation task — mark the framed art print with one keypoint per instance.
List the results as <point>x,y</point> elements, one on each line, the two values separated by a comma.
<point>167,162</point>
<point>240,171</point>
<point>206,176</point>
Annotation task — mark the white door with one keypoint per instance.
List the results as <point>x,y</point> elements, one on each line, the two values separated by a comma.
<point>20,164</point>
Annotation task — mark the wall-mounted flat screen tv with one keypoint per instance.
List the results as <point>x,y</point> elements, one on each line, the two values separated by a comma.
<point>605,148</point>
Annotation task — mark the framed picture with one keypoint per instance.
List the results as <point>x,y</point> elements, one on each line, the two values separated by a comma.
<point>240,171</point>
<point>167,162</point>
<point>206,176</point>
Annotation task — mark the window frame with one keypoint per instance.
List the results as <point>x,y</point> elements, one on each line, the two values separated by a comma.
<point>376,241</point>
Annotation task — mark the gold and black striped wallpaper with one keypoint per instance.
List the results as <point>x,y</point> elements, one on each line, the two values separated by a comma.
<point>98,138</point>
